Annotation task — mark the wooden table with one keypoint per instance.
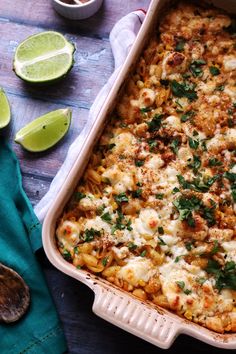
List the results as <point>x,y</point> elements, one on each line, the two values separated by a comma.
<point>86,333</point>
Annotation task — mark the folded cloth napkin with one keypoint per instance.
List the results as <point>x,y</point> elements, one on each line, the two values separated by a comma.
<point>122,37</point>
<point>39,330</point>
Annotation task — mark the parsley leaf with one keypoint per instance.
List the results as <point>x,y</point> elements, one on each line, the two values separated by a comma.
<point>155,123</point>
<point>214,70</point>
<point>89,234</point>
<point>193,143</point>
<point>159,196</point>
<point>145,109</point>
<point>225,276</point>
<point>120,198</point>
<point>183,90</point>
<point>195,67</point>
<point>186,116</point>
<point>137,193</point>
<point>132,246</point>
<point>106,217</point>
<point>214,162</point>
<point>180,45</point>
<point>78,196</point>
<point>174,145</point>
<point>195,164</point>
<point>139,163</point>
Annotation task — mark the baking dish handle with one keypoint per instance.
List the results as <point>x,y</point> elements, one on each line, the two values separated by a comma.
<point>135,317</point>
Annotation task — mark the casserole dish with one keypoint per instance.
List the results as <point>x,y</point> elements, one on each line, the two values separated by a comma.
<point>154,324</point>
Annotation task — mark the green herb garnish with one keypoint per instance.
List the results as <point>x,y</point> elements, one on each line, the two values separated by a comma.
<point>214,70</point>
<point>225,276</point>
<point>175,145</point>
<point>193,143</point>
<point>159,196</point>
<point>155,123</point>
<point>106,217</point>
<point>120,198</point>
<point>195,67</point>
<point>186,116</point>
<point>183,90</point>
<point>214,162</point>
<point>78,196</point>
<point>89,234</point>
<point>139,163</point>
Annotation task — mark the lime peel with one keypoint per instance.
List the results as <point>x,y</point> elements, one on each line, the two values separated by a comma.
<point>45,131</point>
<point>5,111</point>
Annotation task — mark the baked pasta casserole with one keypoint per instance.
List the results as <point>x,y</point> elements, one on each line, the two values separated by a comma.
<point>154,213</point>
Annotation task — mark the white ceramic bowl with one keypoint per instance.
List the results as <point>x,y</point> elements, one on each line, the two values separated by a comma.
<point>77,12</point>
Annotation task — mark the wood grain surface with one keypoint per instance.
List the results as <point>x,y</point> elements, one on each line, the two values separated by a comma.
<point>85,332</point>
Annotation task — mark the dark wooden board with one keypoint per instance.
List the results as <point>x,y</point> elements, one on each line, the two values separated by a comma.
<point>85,332</point>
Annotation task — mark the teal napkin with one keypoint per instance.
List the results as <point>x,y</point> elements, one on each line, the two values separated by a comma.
<point>39,331</point>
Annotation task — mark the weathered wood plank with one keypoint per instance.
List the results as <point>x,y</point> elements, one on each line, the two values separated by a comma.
<point>41,14</point>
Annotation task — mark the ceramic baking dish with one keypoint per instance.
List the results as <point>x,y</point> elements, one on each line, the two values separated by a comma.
<point>147,321</point>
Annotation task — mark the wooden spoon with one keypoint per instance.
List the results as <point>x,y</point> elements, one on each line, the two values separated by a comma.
<point>14,295</point>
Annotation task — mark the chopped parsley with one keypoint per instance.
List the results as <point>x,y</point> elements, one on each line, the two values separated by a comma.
<point>110,146</point>
<point>121,223</point>
<point>175,190</point>
<point>120,198</point>
<point>181,285</point>
<point>155,123</point>
<point>184,89</point>
<point>225,276</point>
<point>132,246</point>
<point>214,70</point>
<point>159,196</point>
<point>139,163</point>
<point>186,116</point>
<point>215,248</point>
<point>214,162</point>
<point>220,88</point>
<point>208,213</point>
<point>185,207</point>
<point>152,144</point>
<point>231,176</point>
<point>106,217</point>
<point>175,145</point>
<point>66,255</point>
<point>137,193</point>
<point>145,109</point>
<point>161,242</point>
<point>89,234</point>
<point>195,67</point>
<point>197,184</point>
<point>193,143</point>
<point>195,164</point>
<point>189,245</point>
<point>160,230</point>
<point>143,253</point>
<point>78,196</point>
<point>105,261</point>
<point>180,45</point>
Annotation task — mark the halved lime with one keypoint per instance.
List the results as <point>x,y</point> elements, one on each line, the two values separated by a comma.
<point>43,57</point>
<point>45,131</point>
<point>5,112</point>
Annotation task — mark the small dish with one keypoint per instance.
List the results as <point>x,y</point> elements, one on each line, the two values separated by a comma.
<point>77,11</point>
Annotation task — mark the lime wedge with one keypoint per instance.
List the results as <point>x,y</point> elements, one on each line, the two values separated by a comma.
<point>45,131</point>
<point>5,112</point>
<point>43,57</point>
